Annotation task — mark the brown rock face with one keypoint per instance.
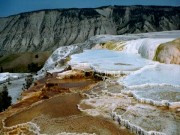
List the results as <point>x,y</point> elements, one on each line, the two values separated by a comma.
<point>169,53</point>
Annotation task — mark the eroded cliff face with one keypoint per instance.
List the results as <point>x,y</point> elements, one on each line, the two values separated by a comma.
<point>49,29</point>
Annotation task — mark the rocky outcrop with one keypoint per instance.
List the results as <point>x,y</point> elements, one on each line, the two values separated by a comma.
<point>49,29</point>
<point>169,53</point>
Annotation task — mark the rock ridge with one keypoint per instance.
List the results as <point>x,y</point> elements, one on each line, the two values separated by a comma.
<point>49,29</point>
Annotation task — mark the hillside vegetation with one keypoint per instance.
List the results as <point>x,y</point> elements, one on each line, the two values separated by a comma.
<point>23,62</point>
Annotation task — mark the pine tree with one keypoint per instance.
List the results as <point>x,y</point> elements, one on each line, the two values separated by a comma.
<point>5,99</point>
<point>29,80</point>
<point>1,70</point>
<point>1,102</point>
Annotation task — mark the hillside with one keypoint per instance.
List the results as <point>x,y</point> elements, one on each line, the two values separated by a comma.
<point>23,62</point>
<point>49,29</point>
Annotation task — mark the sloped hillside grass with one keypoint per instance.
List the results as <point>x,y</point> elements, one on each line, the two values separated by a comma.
<point>23,62</point>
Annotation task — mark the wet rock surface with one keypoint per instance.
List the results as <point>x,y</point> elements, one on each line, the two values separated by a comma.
<point>138,117</point>
<point>50,107</point>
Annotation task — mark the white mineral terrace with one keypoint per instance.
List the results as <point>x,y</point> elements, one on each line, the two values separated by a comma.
<point>151,84</point>
<point>140,88</point>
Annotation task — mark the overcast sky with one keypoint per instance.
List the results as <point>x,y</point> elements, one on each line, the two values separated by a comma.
<point>10,7</point>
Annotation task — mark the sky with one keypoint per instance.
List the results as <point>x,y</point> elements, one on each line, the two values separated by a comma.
<point>11,7</point>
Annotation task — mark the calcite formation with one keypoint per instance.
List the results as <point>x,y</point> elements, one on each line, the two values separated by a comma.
<point>169,53</point>
<point>50,106</point>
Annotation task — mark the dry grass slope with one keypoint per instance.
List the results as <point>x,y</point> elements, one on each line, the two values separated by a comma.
<point>19,62</point>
